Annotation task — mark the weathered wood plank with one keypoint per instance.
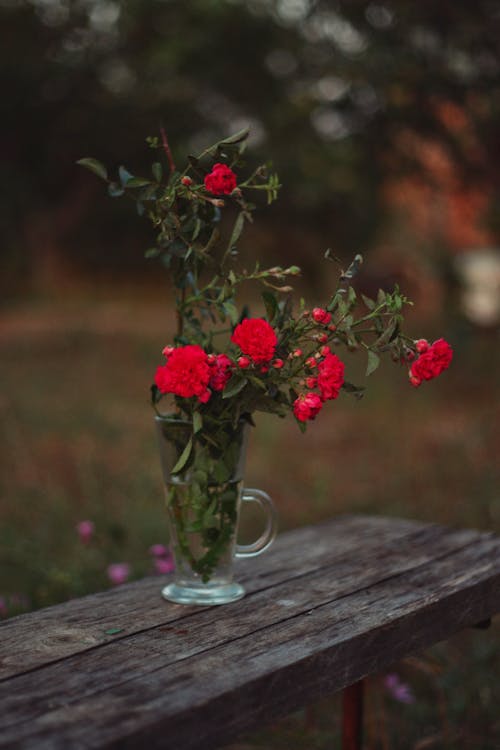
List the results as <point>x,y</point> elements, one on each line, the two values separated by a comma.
<point>37,638</point>
<point>266,655</point>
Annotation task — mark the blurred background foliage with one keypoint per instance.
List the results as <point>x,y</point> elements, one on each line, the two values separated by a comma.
<point>382,120</point>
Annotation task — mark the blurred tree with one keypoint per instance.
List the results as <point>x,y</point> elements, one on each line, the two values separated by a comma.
<point>332,90</point>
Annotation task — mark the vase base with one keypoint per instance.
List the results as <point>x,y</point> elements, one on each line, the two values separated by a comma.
<point>204,595</point>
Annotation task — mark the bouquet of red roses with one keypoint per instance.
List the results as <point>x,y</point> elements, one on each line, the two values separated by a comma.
<point>223,364</point>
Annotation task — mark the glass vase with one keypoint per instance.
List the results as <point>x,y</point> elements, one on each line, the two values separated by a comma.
<point>204,492</point>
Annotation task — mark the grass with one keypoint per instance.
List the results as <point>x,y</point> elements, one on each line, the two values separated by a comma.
<point>78,443</point>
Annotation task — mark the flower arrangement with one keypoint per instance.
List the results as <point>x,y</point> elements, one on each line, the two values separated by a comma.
<point>224,364</point>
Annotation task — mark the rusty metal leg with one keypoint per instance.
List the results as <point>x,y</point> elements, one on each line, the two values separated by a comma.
<point>352,716</point>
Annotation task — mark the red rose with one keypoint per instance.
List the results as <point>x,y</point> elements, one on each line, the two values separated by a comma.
<point>186,373</point>
<point>307,406</point>
<point>256,338</point>
<point>220,372</point>
<point>421,345</point>
<point>221,180</point>
<point>321,316</point>
<point>431,362</point>
<point>330,376</point>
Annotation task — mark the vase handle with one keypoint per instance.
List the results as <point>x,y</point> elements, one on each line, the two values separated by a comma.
<point>268,535</point>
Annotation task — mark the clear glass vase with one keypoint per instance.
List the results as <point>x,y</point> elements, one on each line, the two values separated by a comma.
<point>204,492</point>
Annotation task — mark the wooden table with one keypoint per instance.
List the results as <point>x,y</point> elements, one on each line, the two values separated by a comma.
<point>326,606</point>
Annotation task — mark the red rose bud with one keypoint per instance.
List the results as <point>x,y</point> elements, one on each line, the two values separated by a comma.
<point>311,382</point>
<point>211,358</point>
<point>278,364</point>
<point>297,353</point>
<point>167,351</point>
<point>421,345</point>
<point>221,371</point>
<point>414,380</point>
<point>322,338</point>
<point>332,327</point>
<point>307,406</point>
<point>321,316</point>
<point>244,362</point>
<point>264,369</point>
<point>187,181</point>
<point>221,180</point>
<point>311,362</point>
<point>325,350</point>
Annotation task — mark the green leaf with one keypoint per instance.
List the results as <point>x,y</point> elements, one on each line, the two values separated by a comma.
<point>257,383</point>
<point>183,458</point>
<point>271,305</point>
<point>373,362</point>
<point>237,230</point>
<point>330,256</point>
<point>115,190</point>
<point>357,390</point>
<point>234,386</point>
<point>124,175</point>
<point>197,229</point>
<point>157,171</point>
<point>231,312</point>
<point>113,631</point>
<point>369,303</point>
<point>156,394</point>
<point>388,334</point>
<point>135,182</point>
<point>209,520</point>
<point>270,405</point>
<point>95,166</point>
<point>353,268</point>
<point>197,422</point>
<point>241,135</point>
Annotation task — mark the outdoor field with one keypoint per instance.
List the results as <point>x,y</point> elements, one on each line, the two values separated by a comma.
<point>78,444</point>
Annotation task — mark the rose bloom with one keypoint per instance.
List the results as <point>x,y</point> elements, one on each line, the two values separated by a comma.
<point>186,373</point>
<point>330,376</point>
<point>221,180</point>
<point>307,406</point>
<point>256,338</point>
<point>321,316</point>
<point>220,372</point>
<point>431,362</point>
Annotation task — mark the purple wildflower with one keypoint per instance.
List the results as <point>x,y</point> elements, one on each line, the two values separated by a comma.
<point>118,573</point>
<point>400,691</point>
<point>85,531</point>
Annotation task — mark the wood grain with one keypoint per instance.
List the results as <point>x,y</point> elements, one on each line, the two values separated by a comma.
<point>333,603</point>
